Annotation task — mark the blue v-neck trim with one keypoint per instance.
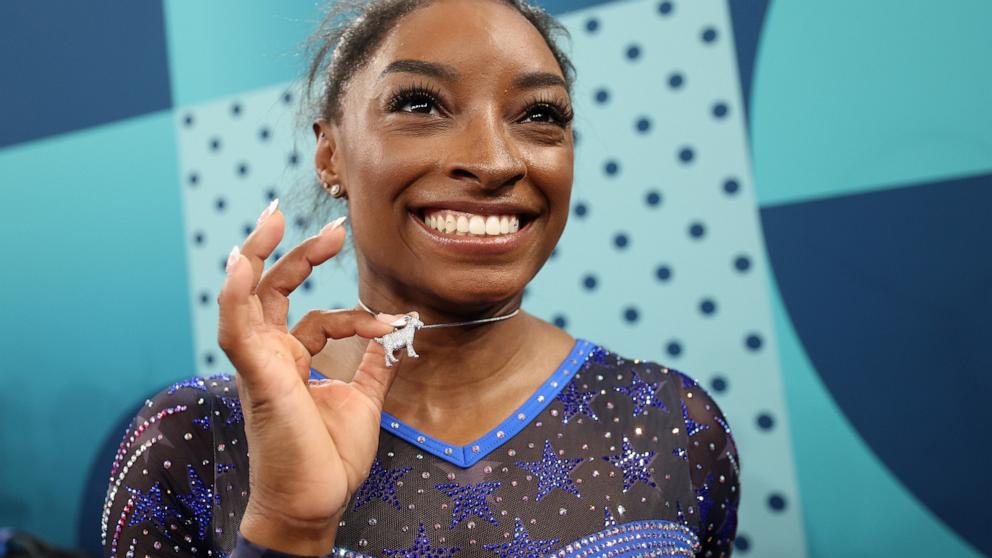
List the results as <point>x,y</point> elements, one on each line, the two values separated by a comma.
<point>468,455</point>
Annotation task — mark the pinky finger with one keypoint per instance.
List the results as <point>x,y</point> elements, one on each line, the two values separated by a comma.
<point>235,321</point>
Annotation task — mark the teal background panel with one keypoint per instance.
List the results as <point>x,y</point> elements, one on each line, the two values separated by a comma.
<point>224,47</point>
<point>852,504</point>
<point>853,96</point>
<point>94,308</point>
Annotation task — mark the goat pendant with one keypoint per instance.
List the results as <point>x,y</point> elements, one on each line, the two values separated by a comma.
<point>400,338</point>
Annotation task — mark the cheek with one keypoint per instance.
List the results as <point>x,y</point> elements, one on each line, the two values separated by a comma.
<point>553,170</point>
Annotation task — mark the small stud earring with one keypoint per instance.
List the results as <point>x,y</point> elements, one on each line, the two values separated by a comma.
<point>336,191</point>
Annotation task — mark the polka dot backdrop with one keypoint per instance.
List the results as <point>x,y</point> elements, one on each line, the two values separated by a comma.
<point>663,256</point>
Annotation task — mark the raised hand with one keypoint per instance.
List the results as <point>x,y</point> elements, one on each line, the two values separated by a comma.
<point>311,444</point>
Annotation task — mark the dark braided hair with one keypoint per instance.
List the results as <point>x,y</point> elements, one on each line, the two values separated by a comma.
<point>345,40</point>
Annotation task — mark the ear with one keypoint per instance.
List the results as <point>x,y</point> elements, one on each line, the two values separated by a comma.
<point>326,156</point>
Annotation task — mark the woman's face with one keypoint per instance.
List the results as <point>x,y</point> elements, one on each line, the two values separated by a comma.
<point>461,119</point>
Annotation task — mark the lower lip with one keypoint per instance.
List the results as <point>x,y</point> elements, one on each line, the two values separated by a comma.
<point>469,244</point>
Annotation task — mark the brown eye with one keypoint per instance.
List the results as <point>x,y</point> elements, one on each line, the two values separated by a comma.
<point>415,99</point>
<point>550,113</point>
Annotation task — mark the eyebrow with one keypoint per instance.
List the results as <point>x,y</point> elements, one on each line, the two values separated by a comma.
<point>445,72</point>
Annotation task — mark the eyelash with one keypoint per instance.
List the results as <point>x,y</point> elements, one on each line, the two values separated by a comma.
<point>560,113</point>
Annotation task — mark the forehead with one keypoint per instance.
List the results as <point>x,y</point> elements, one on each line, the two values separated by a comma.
<point>484,37</point>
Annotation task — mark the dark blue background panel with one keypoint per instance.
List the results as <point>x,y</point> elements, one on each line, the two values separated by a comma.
<point>748,19</point>
<point>890,295</point>
<point>71,65</point>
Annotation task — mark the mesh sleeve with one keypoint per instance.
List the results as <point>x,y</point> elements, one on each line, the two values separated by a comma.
<point>715,469</point>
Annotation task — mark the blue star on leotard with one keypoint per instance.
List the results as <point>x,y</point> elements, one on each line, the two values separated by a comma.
<point>421,547</point>
<point>575,402</point>
<point>149,507</point>
<point>381,483</point>
<point>199,501</point>
<point>552,472</point>
<point>234,404</point>
<point>691,427</point>
<point>634,465</point>
<point>643,394</point>
<point>470,500</point>
<point>608,519</point>
<point>522,544</point>
<point>704,498</point>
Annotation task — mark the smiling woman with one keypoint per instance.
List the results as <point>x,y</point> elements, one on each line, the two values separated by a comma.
<point>445,127</point>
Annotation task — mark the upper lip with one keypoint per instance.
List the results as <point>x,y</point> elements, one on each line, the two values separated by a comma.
<point>476,207</point>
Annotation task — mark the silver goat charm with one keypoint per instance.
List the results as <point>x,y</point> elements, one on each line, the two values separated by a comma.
<point>402,337</point>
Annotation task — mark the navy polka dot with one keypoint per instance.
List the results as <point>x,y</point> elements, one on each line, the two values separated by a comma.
<point>611,168</point>
<point>621,240</point>
<point>287,97</point>
<point>554,253</point>
<point>307,285</point>
<point>589,282</point>
<point>643,124</point>
<point>560,321</point>
<point>719,384</point>
<point>742,543</point>
<point>665,8</point>
<point>675,80</point>
<point>653,198</point>
<point>633,52</point>
<point>592,24</point>
<point>673,348</point>
<point>720,110</point>
<point>215,144</point>
<point>742,263</point>
<point>765,421</point>
<point>294,158</point>
<point>753,341</point>
<point>707,306</point>
<point>264,134</point>
<point>188,120</point>
<point>697,230</point>
<point>776,502</point>
<point>247,229</point>
<point>630,314</point>
<point>575,136</point>
<point>708,35</point>
<point>209,359</point>
<point>276,255</point>
<point>204,298</point>
<point>300,222</point>
<point>223,264</point>
<point>242,169</point>
<point>580,209</point>
<point>193,178</point>
<point>198,237</point>
<point>663,273</point>
<point>731,186</point>
<point>602,96</point>
<point>271,194</point>
<point>686,154</point>
<point>236,109</point>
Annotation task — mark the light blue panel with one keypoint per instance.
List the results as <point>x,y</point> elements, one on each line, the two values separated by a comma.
<point>228,46</point>
<point>851,96</point>
<point>853,505</point>
<point>94,309</point>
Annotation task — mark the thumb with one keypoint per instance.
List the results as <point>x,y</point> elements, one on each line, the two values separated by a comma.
<point>373,378</point>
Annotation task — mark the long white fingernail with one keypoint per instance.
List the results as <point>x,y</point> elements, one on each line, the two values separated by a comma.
<point>269,210</point>
<point>233,258</point>
<point>333,224</point>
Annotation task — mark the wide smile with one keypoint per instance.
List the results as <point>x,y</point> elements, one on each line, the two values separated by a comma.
<point>485,231</point>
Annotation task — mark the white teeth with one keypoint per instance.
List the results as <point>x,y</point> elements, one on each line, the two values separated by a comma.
<point>477,225</point>
<point>452,222</point>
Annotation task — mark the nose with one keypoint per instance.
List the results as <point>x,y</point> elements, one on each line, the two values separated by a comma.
<point>485,153</point>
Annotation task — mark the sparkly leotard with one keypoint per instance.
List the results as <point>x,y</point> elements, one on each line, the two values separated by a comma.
<point>609,457</point>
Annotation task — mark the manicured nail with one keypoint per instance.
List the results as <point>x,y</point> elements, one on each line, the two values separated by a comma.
<point>233,258</point>
<point>333,224</point>
<point>269,210</point>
